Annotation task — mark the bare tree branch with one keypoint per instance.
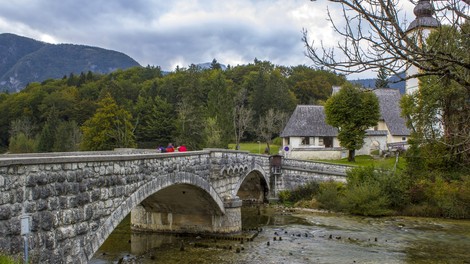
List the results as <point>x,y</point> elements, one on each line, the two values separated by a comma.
<point>375,36</point>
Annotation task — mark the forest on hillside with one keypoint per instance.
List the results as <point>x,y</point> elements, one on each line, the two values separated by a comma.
<point>144,107</point>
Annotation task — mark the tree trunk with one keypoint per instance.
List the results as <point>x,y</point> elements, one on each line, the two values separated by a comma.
<point>352,155</point>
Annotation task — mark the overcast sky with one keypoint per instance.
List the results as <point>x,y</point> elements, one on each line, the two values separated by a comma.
<point>178,32</point>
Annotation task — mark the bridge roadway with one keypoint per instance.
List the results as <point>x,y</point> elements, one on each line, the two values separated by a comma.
<point>75,200</point>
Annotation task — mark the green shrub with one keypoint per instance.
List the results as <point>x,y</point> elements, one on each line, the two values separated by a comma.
<point>450,198</point>
<point>5,259</point>
<point>423,210</point>
<point>284,196</point>
<point>22,144</point>
<point>439,195</point>
<point>301,193</point>
<point>329,194</point>
<point>396,187</point>
<point>367,192</point>
<point>311,204</point>
<point>304,192</point>
<point>463,195</point>
<point>365,199</point>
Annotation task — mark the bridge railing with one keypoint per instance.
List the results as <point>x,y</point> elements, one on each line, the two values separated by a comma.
<point>313,166</point>
<point>87,156</point>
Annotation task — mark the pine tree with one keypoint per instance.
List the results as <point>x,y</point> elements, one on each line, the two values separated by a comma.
<point>382,79</point>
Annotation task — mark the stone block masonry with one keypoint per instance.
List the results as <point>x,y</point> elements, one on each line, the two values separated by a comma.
<point>75,200</point>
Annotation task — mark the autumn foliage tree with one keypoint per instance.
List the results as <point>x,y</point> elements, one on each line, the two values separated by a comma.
<point>109,128</point>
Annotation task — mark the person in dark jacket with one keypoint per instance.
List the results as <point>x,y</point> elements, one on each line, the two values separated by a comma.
<point>170,148</point>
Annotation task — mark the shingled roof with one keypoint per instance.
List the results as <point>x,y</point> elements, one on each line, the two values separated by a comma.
<point>308,121</point>
<point>389,100</point>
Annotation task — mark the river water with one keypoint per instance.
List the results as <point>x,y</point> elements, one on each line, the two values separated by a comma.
<point>289,236</point>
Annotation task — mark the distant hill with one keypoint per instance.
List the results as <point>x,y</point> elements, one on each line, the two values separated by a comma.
<point>208,65</point>
<point>24,60</point>
<point>393,82</point>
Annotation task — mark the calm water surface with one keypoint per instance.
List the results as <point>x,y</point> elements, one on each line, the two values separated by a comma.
<point>302,237</point>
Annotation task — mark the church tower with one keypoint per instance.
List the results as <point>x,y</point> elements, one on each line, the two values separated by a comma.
<point>419,30</point>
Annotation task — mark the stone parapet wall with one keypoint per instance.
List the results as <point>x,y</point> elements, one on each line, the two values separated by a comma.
<point>321,167</point>
<point>317,153</point>
<point>296,173</point>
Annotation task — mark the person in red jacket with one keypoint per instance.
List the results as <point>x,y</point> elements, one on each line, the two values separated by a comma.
<point>182,148</point>
<point>170,148</point>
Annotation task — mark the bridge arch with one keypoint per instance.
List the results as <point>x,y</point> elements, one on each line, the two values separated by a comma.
<point>144,192</point>
<point>253,186</point>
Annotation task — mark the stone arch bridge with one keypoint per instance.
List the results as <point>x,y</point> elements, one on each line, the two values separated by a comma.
<point>75,200</point>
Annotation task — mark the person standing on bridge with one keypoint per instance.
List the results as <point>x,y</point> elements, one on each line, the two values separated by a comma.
<point>170,148</point>
<point>182,148</point>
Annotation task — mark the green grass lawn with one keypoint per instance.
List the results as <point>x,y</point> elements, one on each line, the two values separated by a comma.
<point>364,160</point>
<point>256,148</point>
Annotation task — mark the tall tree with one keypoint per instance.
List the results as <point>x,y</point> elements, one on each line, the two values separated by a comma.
<point>312,86</point>
<point>47,136</point>
<point>110,127</point>
<point>242,117</point>
<point>382,78</point>
<point>189,125</point>
<point>212,134</point>
<point>220,104</point>
<point>22,136</point>
<point>270,125</point>
<point>68,137</point>
<point>439,112</point>
<point>215,65</point>
<point>352,111</point>
<point>154,121</point>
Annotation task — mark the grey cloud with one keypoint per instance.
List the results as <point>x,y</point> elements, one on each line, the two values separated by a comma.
<point>165,32</point>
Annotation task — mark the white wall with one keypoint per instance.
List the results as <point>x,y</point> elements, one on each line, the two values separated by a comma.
<point>316,154</point>
<point>371,141</point>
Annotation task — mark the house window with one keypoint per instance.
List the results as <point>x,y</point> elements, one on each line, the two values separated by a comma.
<point>327,141</point>
<point>403,138</point>
<point>305,140</point>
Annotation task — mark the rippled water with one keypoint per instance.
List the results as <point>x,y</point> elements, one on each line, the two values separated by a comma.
<point>303,237</point>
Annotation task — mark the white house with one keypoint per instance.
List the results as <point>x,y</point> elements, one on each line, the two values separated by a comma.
<point>308,136</point>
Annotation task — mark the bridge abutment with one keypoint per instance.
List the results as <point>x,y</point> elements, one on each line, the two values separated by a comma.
<point>143,219</point>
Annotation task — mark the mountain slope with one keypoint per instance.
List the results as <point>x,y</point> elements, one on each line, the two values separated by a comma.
<point>13,48</point>
<point>25,60</point>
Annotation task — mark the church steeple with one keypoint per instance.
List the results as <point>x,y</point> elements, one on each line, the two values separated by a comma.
<point>424,12</point>
<point>419,30</point>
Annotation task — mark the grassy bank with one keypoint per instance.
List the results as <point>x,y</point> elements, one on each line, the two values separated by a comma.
<point>256,148</point>
<point>365,161</point>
